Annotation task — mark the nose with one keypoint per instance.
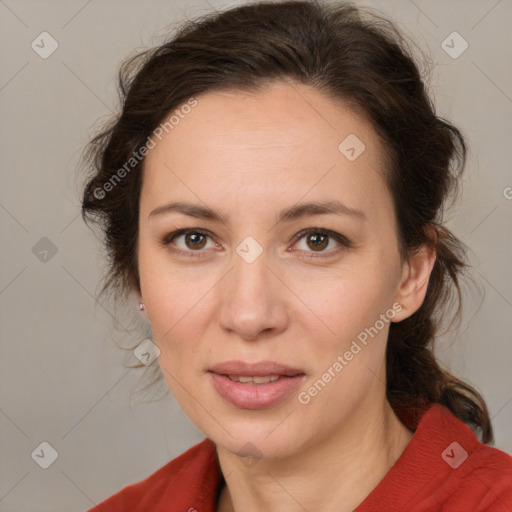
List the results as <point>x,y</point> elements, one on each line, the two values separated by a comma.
<point>253,300</point>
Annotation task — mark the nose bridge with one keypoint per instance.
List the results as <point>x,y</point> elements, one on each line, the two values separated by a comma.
<point>251,303</point>
<point>250,268</point>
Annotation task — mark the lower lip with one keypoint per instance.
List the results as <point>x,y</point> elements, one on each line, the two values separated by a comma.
<point>255,396</point>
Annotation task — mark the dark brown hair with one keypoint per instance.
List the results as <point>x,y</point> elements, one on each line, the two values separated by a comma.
<point>350,54</point>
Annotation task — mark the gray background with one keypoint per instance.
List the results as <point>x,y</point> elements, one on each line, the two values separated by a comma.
<point>63,380</point>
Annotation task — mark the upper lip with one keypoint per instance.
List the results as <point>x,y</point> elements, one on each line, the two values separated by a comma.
<point>259,369</point>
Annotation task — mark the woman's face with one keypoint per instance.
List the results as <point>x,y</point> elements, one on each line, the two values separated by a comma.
<point>259,280</point>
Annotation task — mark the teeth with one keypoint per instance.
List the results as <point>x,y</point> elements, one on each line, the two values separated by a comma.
<point>254,380</point>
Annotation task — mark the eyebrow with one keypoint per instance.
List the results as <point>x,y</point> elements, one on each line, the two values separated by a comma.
<point>286,215</point>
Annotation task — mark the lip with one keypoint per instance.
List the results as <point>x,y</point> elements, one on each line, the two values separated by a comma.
<point>255,396</point>
<point>259,369</point>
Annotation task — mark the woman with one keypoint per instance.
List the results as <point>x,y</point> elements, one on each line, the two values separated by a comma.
<point>273,192</point>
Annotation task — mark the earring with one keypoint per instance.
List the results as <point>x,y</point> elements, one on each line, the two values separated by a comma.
<point>141,306</point>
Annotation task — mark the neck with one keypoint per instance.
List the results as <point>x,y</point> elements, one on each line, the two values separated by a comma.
<point>333,474</point>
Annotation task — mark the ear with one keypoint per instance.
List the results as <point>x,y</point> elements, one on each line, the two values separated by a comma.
<point>415,277</point>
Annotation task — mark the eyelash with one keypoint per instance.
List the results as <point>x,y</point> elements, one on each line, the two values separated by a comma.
<point>342,240</point>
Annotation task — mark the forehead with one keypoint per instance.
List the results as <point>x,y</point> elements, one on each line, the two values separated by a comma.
<point>287,140</point>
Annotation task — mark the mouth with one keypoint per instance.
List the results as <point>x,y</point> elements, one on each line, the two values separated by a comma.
<point>254,385</point>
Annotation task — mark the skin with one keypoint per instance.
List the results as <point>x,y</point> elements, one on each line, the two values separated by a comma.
<point>249,156</point>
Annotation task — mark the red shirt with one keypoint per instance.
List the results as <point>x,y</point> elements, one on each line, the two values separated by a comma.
<point>444,468</point>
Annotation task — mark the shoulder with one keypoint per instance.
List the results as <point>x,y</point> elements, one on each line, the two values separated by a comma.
<point>487,479</point>
<point>191,476</point>
<point>444,468</point>
<point>473,476</point>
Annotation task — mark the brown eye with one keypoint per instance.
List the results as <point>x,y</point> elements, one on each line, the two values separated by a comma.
<point>318,241</point>
<point>195,240</point>
<point>188,242</point>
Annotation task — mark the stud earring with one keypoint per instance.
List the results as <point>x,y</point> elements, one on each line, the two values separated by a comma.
<point>141,306</point>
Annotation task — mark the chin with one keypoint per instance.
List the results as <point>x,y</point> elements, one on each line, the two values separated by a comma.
<point>257,438</point>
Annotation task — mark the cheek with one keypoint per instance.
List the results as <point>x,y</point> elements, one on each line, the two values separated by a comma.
<point>177,314</point>
<point>178,329</point>
<point>179,326</point>
<point>345,302</point>
<point>170,291</point>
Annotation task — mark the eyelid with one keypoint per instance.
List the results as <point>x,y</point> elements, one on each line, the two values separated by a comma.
<point>333,234</point>
<point>175,234</point>
<point>166,242</point>
<point>342,240</point>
